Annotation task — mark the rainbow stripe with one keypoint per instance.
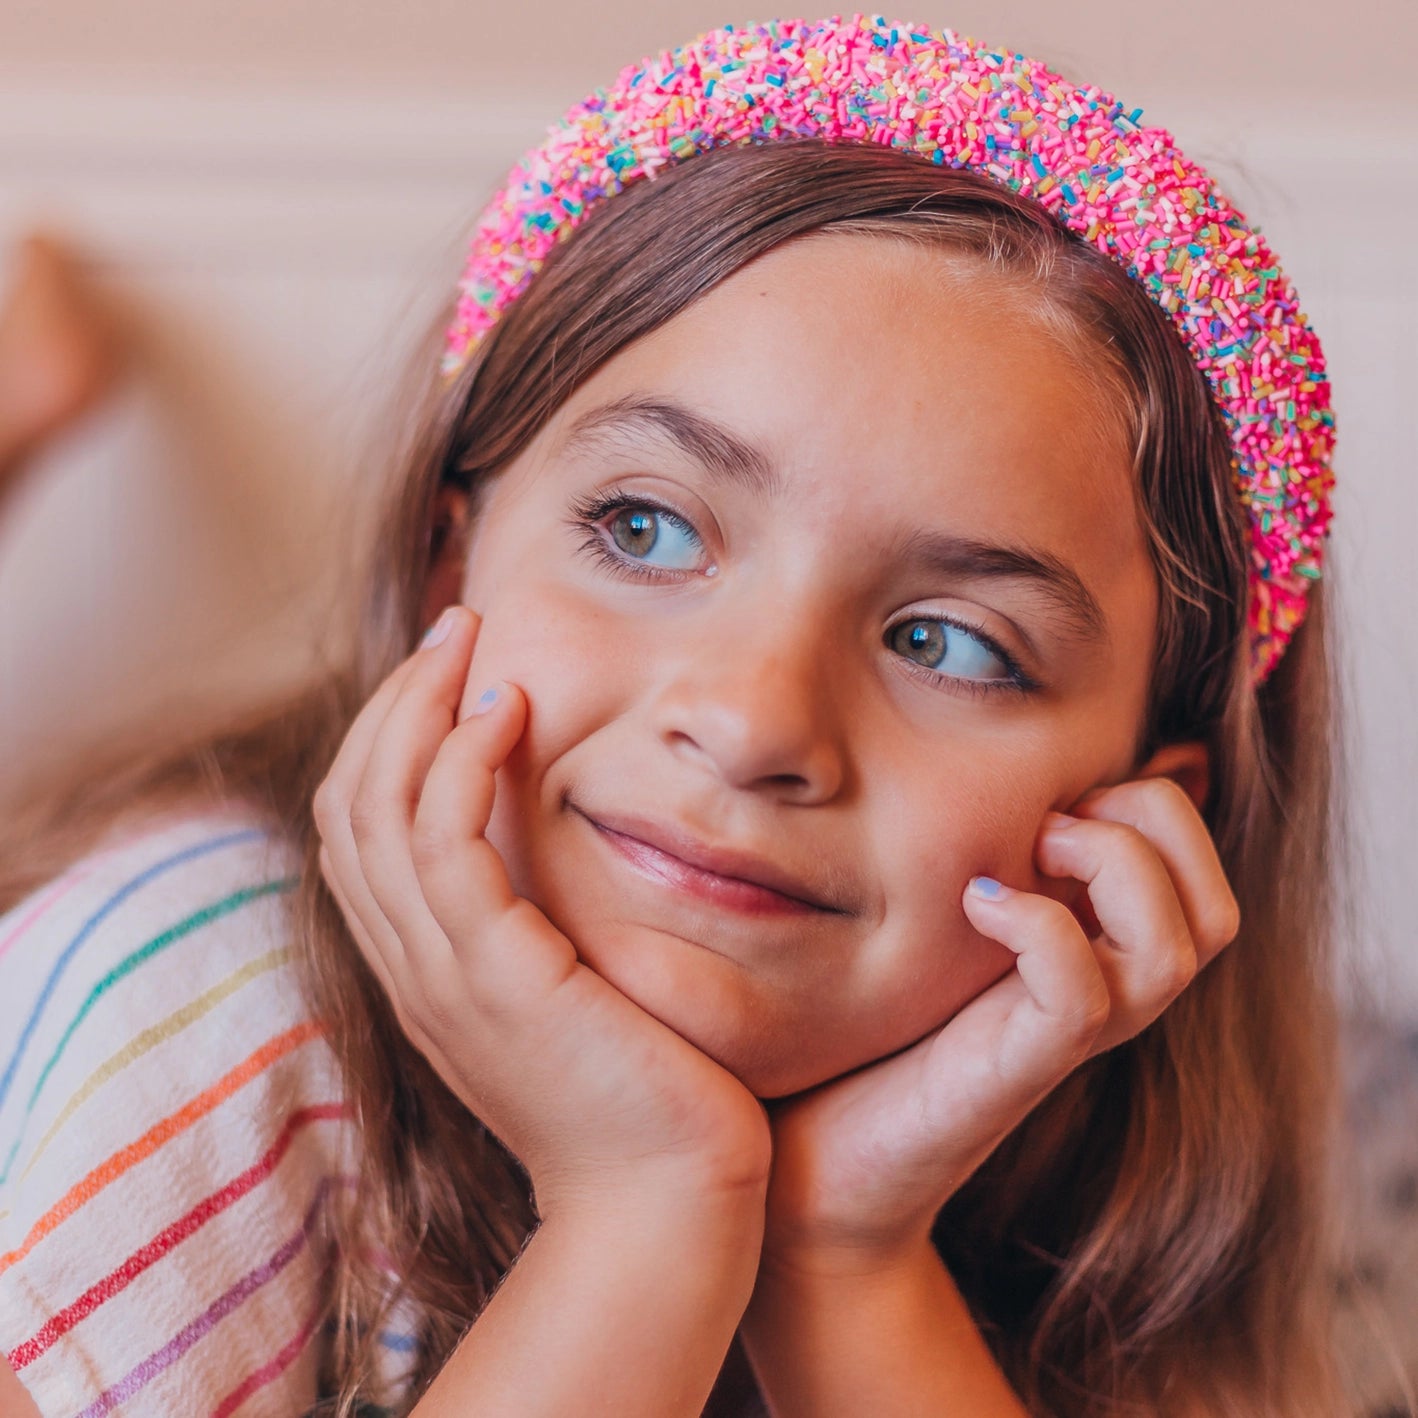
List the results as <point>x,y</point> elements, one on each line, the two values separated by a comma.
<point>167,1107</point>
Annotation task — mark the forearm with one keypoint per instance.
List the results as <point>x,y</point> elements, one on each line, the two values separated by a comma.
<point>623,1313</point>
<point>828,1341</point>
<point>15,1400</point>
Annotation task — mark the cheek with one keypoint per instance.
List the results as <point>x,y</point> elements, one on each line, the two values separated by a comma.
<point>975,812</point>
<point>576,668</point>
<point>979,815</point>
<point>562,653</point>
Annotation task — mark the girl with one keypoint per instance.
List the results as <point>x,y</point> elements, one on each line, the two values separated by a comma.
<point>830,919</point>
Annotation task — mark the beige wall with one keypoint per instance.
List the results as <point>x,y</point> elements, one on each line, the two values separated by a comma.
<point>268,190</point>
<point>1241,53</point>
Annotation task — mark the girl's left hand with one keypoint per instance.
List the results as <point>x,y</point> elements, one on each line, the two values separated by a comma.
<point>863,1163</point>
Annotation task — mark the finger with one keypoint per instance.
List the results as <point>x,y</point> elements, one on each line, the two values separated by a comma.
<point>332,801</point>
<point>940,1107</point>
<point>502,942</point>
<point>1065,1002</point>
<point>382,810</point>
<point>383,964</point>
<point>1161,810</point>
<point>1146,950</point>
<point>457,799</point>
<point>333,796</point>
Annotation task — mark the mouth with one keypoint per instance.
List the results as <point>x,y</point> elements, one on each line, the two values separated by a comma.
<point>736,880</point>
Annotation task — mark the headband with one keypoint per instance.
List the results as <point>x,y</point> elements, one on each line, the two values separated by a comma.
<point>1122,187</point>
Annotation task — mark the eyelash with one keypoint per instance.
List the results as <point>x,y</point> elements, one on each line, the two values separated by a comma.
<point>587,513</point>
<point>1017,680</point>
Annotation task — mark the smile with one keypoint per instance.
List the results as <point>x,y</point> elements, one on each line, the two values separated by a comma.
<point>732,880</point>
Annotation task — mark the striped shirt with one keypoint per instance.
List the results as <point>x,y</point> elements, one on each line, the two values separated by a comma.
<point>171,1128</point>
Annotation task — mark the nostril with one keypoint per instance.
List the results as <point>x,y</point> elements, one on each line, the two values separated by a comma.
<point>753,721</point>
<point>789,782</point>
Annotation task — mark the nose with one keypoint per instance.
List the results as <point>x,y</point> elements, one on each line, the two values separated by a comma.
<point>755,705</point>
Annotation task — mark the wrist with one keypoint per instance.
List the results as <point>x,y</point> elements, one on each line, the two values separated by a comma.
<point>717,1229</point>
<point>802,1262</point>
<point>724,1185</point>
<point>829,1280</point>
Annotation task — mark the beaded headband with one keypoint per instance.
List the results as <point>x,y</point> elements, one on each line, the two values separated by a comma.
<point>1122,187</point>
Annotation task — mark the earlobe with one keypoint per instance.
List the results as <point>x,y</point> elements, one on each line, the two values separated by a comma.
<point>447,552</point>
<point>1188,764</point>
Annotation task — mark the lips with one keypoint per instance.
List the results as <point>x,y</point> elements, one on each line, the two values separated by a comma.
<point>728,876</point>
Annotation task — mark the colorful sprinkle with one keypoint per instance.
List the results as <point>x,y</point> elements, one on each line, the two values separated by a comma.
<point>1124,188</point>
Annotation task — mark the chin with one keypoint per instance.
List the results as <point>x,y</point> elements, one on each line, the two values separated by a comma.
<point>764,1044</point>
<point>731,987</point>
<point>764,1076</point>
<point>722,1007</point>
<point>769,1078</point>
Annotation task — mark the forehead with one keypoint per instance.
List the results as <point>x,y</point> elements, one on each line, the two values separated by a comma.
<point>889,377</point>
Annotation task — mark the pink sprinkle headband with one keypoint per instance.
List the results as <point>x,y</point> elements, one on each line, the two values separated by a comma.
<point>1122,187</point>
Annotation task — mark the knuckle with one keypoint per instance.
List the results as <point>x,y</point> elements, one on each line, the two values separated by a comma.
<point>428,1009</point>
<point>1223,922</point>
<point>1118,836</point>
<point>1140,800</point>
<point>1080,1024</point>
<point>325,806</point>
<point>1093,1011</point>
<point>1166,790</point>
<point>1175,970</point>
<point>437,1017</point>
<point>1049,915</point>
<point>365,817</point>
<point>1160,795</point>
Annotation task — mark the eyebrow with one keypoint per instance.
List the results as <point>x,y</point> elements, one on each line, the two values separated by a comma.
<point>727,456</point>
<point>708,444</point>
<point>968,558</point>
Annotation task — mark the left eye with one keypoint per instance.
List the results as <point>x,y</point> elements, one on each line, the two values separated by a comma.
<point>656,538</point>
<point>949,648</point>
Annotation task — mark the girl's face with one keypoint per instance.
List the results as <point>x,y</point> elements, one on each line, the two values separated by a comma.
<point>821,596</point>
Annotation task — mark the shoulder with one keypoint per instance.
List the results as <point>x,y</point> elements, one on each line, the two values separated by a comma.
<point>177,875</point>
<point>171,1122</point>
<point>162,949</point>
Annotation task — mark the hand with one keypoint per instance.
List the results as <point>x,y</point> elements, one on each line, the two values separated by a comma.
<point>59,351</point>
<point>593,1095</point>
<point>863,1164</point>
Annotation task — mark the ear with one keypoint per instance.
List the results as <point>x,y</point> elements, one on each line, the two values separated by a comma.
<point>447,552</point>
<point>1186,763</point>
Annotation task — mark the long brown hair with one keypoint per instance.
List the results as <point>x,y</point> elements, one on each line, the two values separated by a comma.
<point>1170,1255</point>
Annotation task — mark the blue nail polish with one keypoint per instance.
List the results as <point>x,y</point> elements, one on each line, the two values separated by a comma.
<point>437,633</point>
<point>486,700</point>
<point>987,887</point>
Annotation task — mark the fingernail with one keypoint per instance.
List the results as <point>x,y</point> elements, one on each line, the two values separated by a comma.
<point>1059,820</point>
<point>988,888</point>
<point>485,701</point>
<point>438,632</point>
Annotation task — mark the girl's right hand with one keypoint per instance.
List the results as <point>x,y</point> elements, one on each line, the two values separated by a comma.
<point>597,1099</point>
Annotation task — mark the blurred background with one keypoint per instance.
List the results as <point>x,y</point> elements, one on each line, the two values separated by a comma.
<point>270,197</point>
